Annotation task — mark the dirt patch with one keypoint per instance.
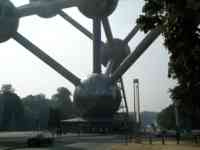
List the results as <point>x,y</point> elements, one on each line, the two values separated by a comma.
<point>169,146</point>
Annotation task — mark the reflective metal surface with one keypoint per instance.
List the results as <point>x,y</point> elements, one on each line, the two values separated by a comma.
<point>97,8</point>
<point>97,97</point>
<point>8,20</point>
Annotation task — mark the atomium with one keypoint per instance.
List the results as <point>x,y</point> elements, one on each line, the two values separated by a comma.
<point>99,95</point>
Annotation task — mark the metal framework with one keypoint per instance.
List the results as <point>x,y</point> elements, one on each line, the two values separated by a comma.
<point>98,11</point>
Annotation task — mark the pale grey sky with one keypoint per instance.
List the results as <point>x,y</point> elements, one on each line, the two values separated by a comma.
<point>73,50</point>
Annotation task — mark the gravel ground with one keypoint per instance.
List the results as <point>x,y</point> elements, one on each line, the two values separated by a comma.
<point>169,146</point>
<point>91,146</point>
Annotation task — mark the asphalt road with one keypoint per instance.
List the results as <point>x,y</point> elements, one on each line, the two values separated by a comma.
<point>65,142</point>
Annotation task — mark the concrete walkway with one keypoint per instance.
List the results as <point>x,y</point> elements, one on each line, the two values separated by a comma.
<point>73,142</point>
<point>91,146</point>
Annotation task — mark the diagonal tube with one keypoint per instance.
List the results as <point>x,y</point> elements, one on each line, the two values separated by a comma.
<point>96,45</point>
<point>76,24</point>
<point>47,59</point>
<point>131,34</point>
<point>131,59</point>
<point>107,29</point>
<point>109,68</point>
<point>35,7</point>
<point>124,95</point>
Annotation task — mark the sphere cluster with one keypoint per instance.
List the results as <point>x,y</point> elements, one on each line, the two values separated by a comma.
<point>96,96</point>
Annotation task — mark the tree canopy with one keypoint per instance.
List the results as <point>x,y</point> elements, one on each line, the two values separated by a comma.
<point>33,112</point>
<point>37,111</point>
<point>11,109</point>
<point>62,101</point>
<point>180,24</point>
<point>166,118</point>
<point>7,88</point>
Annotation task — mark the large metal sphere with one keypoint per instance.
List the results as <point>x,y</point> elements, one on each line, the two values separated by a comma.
<point>8,20</point>
<point>46,12</point>
<point>97,8</point>
<point>97,97</point>
<point>115,51</point>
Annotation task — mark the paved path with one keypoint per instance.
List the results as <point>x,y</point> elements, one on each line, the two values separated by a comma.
<point>75,146</point>
<point>76,142</point>
<point>91,146</point>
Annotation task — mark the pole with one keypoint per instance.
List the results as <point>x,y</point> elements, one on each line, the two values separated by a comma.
<point>76,25</point>
<point>131,59</point>
<point>96,45</point>
<point>124,95</point>
<point>47,59</point>
<point>35,7</point>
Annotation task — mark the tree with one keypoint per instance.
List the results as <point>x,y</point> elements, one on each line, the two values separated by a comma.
<point>62,101</point>
<point>179,21</point>
<point>166,118</point>
<point>7,88</point>
<point>54,118</point>
<point>12,110</point>
<point>37,111</point>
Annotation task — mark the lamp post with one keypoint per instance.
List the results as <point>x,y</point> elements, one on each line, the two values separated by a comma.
<point>136,101</point>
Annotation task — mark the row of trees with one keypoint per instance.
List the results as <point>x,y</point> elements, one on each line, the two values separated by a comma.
<point>33,111</point>
<point>179,21</point>
<point>166,119</point>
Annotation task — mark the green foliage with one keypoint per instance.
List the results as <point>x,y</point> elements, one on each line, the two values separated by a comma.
<point>12,111</point>
<point>33,112</point>
<point>62,101</point>
<point>179,21</point>
<point>166,118</point>
<point>61,108</point>
<point>7,88</point>
<point>54,118</point>
<point>37,111</point>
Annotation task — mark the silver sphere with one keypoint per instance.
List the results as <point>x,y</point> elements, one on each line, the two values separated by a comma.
<point>46,12</point>
<point>97,97</point>
<point>97,8</point>
<point>115,51</point>
<point>9,20</point>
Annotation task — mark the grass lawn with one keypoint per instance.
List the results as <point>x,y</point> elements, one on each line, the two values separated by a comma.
<point>156,146</point>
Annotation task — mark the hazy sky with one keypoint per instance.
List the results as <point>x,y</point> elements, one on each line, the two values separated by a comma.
<point>73,50</point>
